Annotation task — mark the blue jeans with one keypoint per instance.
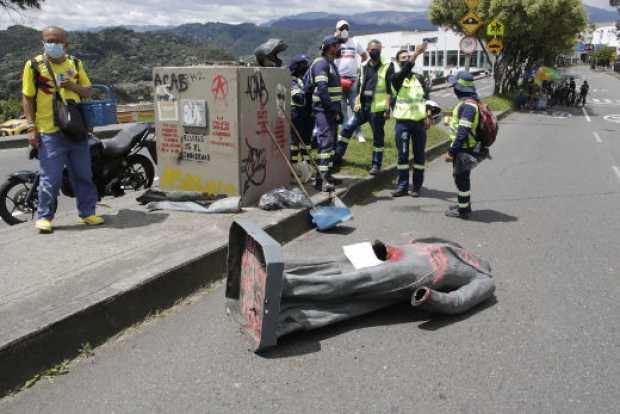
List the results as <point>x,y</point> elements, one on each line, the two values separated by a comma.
<point>406,131</point>
<point>56,152</point>
<point>348,104</point>
<point>377,124</point>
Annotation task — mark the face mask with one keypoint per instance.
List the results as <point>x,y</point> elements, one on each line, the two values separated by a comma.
<point>54,50</point>
<point>375,55</point>
<point>344,34</point>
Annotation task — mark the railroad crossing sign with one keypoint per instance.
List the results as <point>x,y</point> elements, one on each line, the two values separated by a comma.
<point>471,22</point>
<point>472,4</point>
<point>469,44</point>
<point>496,28</point>
<point>495,46</point>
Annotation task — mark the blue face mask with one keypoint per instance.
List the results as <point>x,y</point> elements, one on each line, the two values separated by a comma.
<point>54,50</point>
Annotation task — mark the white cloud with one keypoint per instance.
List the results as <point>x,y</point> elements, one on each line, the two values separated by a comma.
<point>75,14</point>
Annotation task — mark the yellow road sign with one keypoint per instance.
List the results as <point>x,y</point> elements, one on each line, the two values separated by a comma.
<point>471,22</point>
<point>472,4</point>
<point>495,46</point>
<point>496,28</point>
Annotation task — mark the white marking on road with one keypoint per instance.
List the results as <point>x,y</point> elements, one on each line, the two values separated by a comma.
<point>596,100</point>
<point>617,171</point>
<point>597,137</point>
<point>586,114</point>
<point>607,100</point>
<point>612,118</point>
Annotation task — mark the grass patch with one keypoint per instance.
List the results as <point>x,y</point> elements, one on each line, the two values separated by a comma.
<point>497,103</point>
<point>358,158</point>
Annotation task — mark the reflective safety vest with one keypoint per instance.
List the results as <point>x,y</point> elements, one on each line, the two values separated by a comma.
<point>297,90</point>
<point>456,122</point>
<point>410,101</point>
<point>379,95</point>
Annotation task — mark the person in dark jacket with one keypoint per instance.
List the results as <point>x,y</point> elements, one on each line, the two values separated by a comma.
<point>301,115</point>
<point>465,147</point>
<point>372,105</point>
<point>326,91</point>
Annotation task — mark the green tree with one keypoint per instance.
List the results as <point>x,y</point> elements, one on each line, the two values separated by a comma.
<point>537,32</point>
<point>604,55</point>
<point>9,109</point>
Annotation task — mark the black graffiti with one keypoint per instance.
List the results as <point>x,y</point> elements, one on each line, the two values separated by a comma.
<point>257,90</point>
<point>173,81</point>
<point>254,167</point>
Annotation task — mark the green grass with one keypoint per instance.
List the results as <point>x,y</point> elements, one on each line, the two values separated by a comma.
<point>497,103</point>
<point>359,155</point>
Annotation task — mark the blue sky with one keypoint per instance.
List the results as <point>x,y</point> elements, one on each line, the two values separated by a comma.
<point>75,14</point>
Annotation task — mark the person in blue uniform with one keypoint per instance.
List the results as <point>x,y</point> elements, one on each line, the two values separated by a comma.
<point>324,86</point>
<point>301,113</point>
<point>372,105</point>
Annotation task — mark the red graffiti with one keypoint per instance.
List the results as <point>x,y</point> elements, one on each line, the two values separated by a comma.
<point>280,133</point>
<point>437,258</point>
<point>220,127</point>
<point>170,140</point>
<point>262,122</point>
<point>219,87</point>
<point>253,284</point>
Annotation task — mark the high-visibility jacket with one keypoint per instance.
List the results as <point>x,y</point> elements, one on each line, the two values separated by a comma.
<point>379,96</point>
<point>458,120</point>
<point>410,101</point>
<point>325,85</point>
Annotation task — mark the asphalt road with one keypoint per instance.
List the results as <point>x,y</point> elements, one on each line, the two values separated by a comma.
<point>546,216</point>
<point>447,100</point>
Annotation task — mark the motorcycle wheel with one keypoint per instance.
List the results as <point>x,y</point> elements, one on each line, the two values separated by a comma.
<point>139,173</point>
<point>14,208</point>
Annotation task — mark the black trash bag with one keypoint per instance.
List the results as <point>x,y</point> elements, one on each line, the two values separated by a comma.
<point>267,53</point>
<point>282,198</point>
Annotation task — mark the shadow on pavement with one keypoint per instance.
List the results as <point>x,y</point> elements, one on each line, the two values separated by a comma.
<point>438,194</point>
<point>304,343</point>
<point>491,216</point>
<point>125,219</point>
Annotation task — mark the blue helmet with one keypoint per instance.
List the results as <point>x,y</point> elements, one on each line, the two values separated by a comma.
<point>463,82</point>
<point>297,62</point>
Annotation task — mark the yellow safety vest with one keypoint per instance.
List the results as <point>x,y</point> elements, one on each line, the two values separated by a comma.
<point>379,95</point>
<point>456,122</point>
<point>410,102</point>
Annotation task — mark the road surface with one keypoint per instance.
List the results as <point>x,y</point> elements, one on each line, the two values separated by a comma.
<point>546,216</point>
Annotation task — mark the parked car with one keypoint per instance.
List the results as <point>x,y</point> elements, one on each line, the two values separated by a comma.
<point>14,127</point>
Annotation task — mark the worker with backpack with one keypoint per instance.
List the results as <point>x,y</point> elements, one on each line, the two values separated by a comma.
<point>473,130</point>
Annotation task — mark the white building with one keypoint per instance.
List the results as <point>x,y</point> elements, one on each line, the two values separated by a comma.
<point>605,36</point>
<point>442,57</point>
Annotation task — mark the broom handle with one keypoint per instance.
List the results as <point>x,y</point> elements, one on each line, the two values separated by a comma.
<point>290,166</point>
<point>300,140</point>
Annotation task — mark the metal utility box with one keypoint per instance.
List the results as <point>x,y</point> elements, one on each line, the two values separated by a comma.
<point>211,126</point>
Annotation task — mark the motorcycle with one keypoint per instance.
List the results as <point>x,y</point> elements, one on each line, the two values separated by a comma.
<point>117,166</point>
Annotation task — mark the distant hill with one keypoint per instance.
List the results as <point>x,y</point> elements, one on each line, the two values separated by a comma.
<point>118,57</point>
<point>601,15</point>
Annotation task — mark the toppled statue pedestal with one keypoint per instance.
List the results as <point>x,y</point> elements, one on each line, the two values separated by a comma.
<point>272,297</point>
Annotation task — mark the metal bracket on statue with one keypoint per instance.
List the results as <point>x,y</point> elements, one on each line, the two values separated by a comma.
<point>254,282</point>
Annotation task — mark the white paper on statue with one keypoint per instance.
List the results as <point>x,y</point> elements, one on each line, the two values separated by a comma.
<point>361,255</point>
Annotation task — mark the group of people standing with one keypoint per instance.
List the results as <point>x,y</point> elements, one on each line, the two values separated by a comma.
<point>324,90</point>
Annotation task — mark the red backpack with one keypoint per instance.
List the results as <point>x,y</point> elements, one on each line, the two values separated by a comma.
<point>488,127</point>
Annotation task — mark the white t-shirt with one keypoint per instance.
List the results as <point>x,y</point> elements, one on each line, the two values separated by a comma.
<point>348,64</point>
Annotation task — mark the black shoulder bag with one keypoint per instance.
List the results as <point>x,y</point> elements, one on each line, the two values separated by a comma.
<point>67,115</point>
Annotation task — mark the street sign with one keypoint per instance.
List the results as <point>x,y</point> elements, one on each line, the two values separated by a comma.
<point>469,44</point>
<point>471,22</point>
<point>496,28</point>
<point>472,4</point>
<point>495,46</point>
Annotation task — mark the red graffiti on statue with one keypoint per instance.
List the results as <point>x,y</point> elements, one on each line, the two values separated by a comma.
<point>253,285</point>
<point>437,258</point>
<point>170,140</point>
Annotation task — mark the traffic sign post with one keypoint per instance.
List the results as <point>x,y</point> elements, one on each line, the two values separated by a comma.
<point>496,28</point>
<point>471,22</point>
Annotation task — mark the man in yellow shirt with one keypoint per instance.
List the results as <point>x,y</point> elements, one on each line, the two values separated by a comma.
<point>55,150</point>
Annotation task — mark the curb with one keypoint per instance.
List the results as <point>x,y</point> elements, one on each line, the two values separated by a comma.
<point>63,339</point>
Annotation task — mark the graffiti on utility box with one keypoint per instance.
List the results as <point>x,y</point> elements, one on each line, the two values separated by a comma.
<point>195,148</point>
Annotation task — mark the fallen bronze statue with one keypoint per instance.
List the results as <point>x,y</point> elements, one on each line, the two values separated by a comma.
<point>271,297</point>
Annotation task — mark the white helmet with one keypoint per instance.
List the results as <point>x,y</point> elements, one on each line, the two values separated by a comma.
<point>341,23</point>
